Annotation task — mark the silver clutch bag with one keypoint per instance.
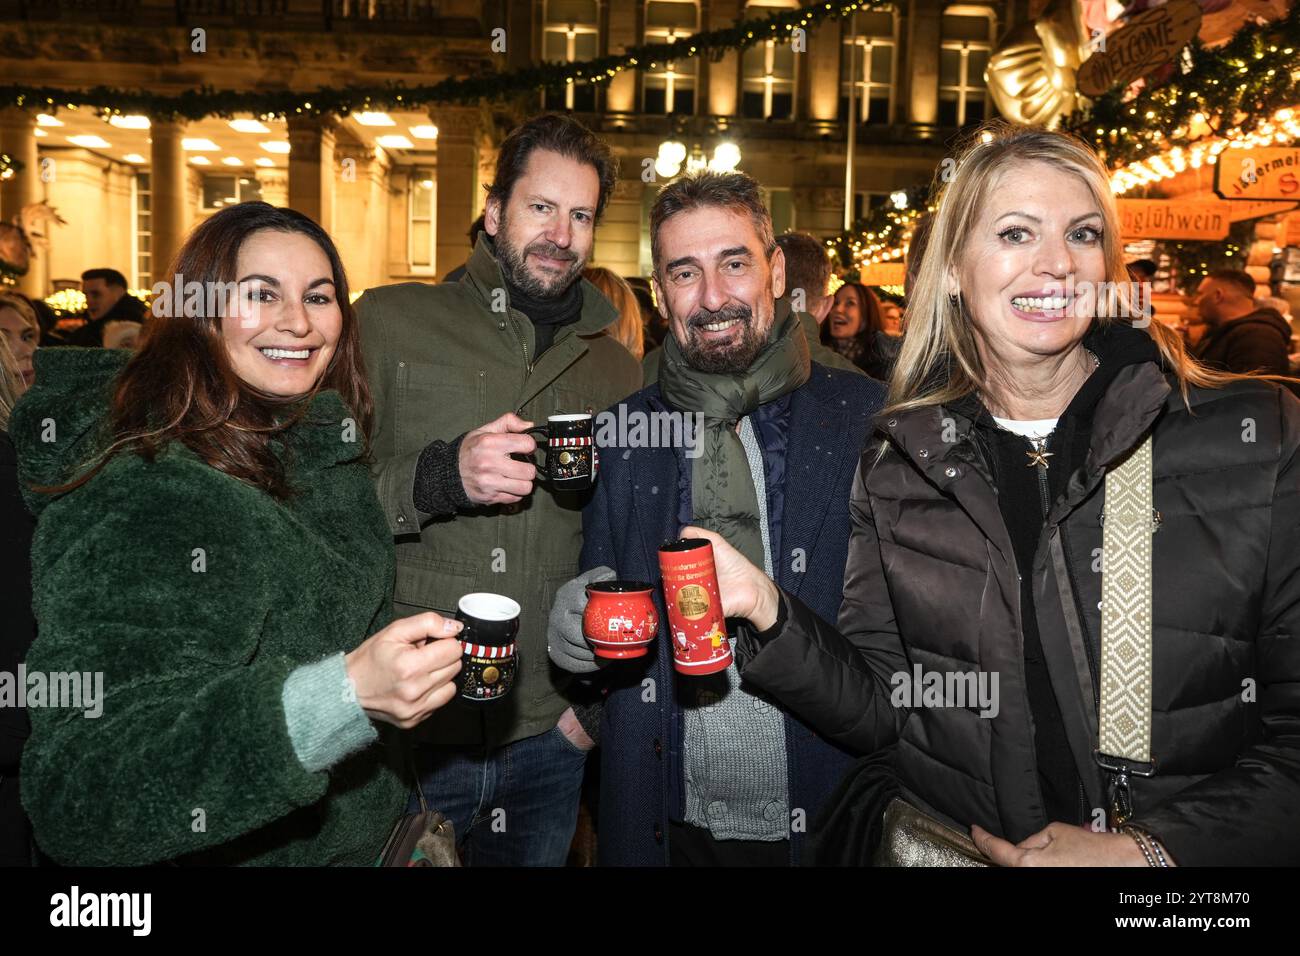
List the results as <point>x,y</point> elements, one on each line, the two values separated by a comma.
<point>913,838</point>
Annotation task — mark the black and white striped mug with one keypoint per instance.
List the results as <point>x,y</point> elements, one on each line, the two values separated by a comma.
<point>489,656</point>
<point>571,460</point>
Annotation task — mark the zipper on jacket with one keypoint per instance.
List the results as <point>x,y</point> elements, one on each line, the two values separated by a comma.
<point>1042,486</point>
<point>1044,498</point>
<point>528,365</point>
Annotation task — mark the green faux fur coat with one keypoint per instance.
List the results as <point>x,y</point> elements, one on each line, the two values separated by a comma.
<point>196,595</point>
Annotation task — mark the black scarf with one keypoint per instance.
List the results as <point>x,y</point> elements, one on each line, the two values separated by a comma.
<point>548,315</point>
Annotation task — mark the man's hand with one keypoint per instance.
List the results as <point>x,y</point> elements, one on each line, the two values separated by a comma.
<point>490,476</point>
<point>746,591</point>
<point>1061,844</point>
<point>565,642</point>
<point>571,728</point>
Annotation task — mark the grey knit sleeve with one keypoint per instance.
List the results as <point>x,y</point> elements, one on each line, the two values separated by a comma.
<point>438,489</point>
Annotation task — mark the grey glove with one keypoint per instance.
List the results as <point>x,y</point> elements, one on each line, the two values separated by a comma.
<point>569,650</point>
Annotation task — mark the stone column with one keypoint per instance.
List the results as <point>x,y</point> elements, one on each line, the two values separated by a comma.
<point>275,185</point>
<point>171,203</point>
<point>18,139</point>
<point>822,67</point>
<point>721,80</point>
<point>922,87</point>
<point>457,182</point>
<point>311,168</point>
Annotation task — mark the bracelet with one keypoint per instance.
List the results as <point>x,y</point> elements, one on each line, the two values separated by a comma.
<point>1155,844</point>
<point>1144,839</point>
<point>1136,834</point>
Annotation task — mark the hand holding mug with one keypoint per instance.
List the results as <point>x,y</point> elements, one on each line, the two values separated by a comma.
<point>571,459</point>
<point>401,679</point>
<point>487,471</point>
<point>745,590</point>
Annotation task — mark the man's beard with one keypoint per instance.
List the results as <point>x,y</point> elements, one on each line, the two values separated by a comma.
<point>731,358</point>
<point>514,265</point>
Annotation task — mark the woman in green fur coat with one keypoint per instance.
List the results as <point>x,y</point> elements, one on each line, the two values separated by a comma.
<point>211,559</point>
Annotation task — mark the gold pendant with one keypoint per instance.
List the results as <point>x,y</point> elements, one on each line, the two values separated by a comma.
<point>1038,457</point>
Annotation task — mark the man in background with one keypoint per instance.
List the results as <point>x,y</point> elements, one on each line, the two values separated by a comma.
<point>1240,336</point>
<point>107,302</point>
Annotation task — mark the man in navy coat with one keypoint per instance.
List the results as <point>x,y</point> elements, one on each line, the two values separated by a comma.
<point>706,770</point>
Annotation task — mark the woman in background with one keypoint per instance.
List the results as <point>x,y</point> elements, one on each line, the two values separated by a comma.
<point>22,334</point>
<point>16,525</point>
<point>854,329</point>
<point>629,329</point>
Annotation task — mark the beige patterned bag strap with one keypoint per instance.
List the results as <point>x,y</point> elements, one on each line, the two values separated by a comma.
<point>1124,707</point>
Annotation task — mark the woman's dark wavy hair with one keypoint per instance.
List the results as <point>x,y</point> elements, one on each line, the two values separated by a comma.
<point>180,385</point>
<point>872,321</point>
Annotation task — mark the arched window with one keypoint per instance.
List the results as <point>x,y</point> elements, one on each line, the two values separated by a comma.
<point>670,87</point>
<point>963,56</point>
<point>768,70</point>
<point>571,34</point>
<point>868,64</point>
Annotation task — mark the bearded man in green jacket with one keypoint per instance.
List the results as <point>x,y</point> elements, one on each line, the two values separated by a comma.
<point>518,338</point>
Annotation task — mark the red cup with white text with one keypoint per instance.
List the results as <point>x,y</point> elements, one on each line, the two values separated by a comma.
<point>695,623</point>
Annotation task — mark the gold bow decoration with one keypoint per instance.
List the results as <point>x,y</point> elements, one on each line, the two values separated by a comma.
<point>1031,73</point>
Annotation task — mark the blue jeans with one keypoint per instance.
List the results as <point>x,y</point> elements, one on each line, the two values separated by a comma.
<point>515,805</point>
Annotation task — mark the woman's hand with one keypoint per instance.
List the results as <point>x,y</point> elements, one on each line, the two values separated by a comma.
<point>401,679</point>
<point>746,591</point>
<point>1061,844</point>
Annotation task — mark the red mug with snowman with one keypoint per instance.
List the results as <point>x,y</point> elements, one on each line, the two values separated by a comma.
<point>620,619</point>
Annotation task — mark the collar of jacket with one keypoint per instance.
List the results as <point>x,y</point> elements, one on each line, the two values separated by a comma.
<point>328,433</point>
<point>938,439</point>
<point>483,276</point>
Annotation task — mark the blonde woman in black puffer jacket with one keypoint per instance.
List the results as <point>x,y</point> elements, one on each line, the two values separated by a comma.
<point>1023,380</point>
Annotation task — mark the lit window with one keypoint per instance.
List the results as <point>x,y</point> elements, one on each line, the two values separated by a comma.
<point>963,57</point>
<point>222,191</point>
<point>570,35</point>
<point>867,66</point>
<point>670,87</point>
<point>143,232</point>
<point>768,70</point>
<point>420,247</point>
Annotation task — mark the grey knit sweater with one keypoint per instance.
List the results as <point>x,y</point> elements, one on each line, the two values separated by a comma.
<point>735,759</point>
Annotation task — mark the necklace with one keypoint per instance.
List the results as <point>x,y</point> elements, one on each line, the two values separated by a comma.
<point>1038,453</point>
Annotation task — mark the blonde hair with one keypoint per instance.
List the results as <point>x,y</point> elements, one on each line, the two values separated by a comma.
<point>939,362</point>
<point>628,330</point>
<point>11,382</point>
<point>21,305</point>
<point>10,387</point>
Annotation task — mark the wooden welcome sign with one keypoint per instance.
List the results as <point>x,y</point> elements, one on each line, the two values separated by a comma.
<point>1147,42</point>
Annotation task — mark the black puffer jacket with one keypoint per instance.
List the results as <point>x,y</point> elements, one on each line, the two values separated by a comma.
<point>932,580</point>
